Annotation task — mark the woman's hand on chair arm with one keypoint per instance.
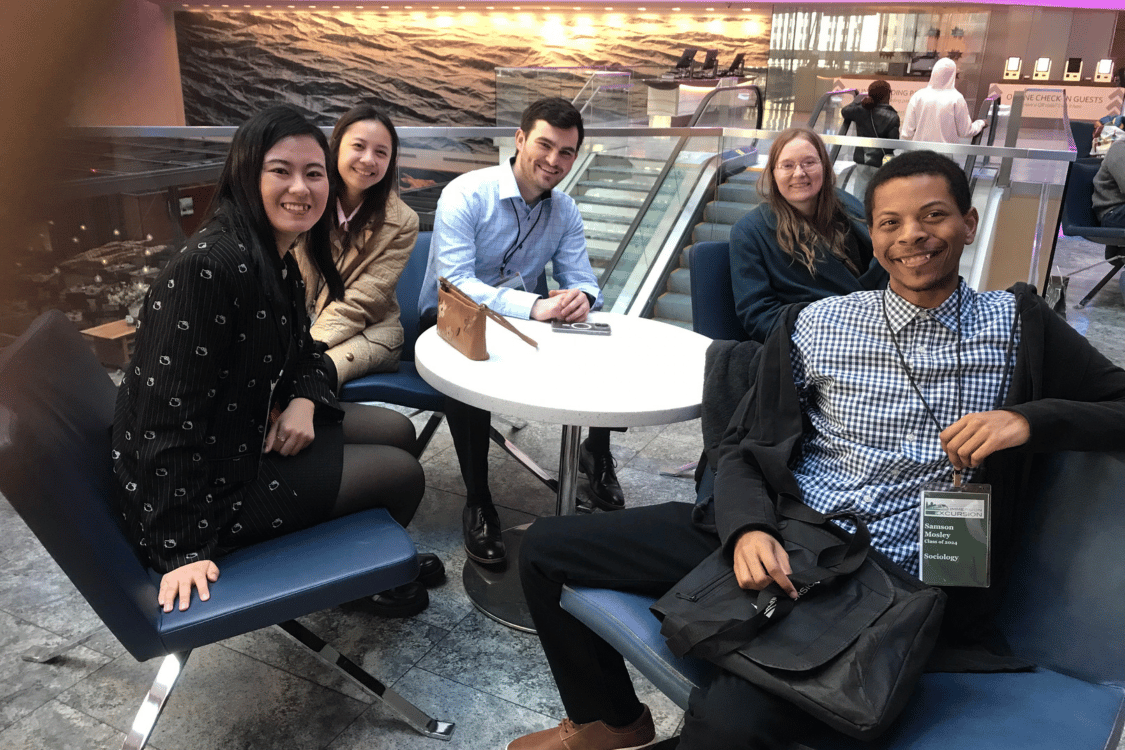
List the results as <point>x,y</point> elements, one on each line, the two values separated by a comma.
<point>180,581</point>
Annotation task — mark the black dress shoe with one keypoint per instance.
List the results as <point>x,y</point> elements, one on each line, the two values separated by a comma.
<point>406,600</point>
<point>431,571</point>
<point>598,468</point>
<point>483,542</point>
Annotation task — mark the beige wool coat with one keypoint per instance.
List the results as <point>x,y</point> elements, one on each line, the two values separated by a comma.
<point>362,330</point>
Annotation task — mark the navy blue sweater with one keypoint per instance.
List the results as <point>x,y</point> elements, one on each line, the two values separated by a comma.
<point>764,278</point>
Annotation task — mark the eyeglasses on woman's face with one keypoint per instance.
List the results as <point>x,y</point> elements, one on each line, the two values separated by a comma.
<point>808,166</point>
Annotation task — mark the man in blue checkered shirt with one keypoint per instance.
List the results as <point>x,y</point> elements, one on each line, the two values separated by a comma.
<point>834,420</point>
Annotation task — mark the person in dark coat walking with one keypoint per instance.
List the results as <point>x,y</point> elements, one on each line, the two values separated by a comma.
<point>874,117</point>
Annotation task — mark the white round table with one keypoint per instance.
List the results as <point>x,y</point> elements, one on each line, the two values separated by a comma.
<point>643,373</point>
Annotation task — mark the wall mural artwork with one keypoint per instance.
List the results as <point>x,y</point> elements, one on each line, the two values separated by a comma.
<point>425,67</point>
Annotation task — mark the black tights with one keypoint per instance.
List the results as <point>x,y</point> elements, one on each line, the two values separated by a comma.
<point>380,470</point>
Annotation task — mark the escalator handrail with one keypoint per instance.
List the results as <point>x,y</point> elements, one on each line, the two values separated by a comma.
<point>645,205</point>
<point>990,113</point>
<point>611,266</point>
<point>834,150</point>
<point>716,91</point>
<point>824,100</point>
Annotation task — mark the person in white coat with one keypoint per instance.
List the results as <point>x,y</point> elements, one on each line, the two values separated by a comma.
<point>939,113</point>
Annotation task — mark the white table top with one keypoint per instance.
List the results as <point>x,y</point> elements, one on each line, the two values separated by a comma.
<point>643,373</point>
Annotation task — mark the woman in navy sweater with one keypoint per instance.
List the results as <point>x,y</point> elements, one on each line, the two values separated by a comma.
<point>806,241</point>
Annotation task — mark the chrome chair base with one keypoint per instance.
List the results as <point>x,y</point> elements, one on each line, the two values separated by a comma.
<point>145,721</point>
<point>407,711</point>
<point>172,667</point>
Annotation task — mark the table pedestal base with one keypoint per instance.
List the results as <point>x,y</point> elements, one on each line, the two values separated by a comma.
<point>495,589</point>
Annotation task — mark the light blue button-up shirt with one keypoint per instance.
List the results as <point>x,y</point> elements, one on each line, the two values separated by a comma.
<point>484,232</point>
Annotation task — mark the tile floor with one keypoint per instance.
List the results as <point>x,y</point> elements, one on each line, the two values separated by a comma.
<point>258,692</point>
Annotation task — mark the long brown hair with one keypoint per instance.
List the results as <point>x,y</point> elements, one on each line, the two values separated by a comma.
<point>373,210</point>
<point>797,235</point>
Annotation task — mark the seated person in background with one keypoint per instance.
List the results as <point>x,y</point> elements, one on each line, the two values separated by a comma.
<point>831,385</point>
<point>373,233</point>
<point>1109,188</point>
<point>1107,131</point>
<point>494,232</point>
<point>226,432</point>
<point>874,117</point>
<point>806,241</point>
<point>938,113</point>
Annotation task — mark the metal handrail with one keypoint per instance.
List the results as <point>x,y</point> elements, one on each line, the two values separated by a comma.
<point>824,100</point>
<point>989,111</point>
<point>716,91</point>
<point>949,149</point>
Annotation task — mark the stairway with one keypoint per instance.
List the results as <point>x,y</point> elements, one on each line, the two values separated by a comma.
<point>609,195</point>
<point>733,199</point>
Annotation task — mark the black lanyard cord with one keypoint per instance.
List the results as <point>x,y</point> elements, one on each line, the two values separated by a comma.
<point>910,376</point>
<point>519,230</point>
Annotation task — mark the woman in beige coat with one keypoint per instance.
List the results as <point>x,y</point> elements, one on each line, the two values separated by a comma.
<point>373,235</point>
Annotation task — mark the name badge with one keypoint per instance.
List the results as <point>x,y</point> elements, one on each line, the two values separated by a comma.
<point>515,281</point>
<point>954,538</point>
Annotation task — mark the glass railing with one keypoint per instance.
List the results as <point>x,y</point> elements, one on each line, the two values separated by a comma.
<point>128,195</point>
<point>607,97</point>
<point>688,171</point>
<point>1018,196</point>
<point>736,106</point>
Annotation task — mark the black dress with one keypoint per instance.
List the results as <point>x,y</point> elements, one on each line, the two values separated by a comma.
<point>214,352</point>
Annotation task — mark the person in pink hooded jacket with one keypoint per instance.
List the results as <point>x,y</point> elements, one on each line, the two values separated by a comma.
<point>939,113</point>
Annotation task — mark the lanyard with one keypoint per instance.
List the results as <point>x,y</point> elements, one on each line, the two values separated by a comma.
<point>914,384</point>
<point>518,244</point>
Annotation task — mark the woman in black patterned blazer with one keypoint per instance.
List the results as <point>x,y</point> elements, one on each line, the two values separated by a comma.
<point>226,431</point>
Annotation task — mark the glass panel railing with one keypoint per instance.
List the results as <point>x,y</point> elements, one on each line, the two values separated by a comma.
<point>737,106</point>
<point>607,97</point>
<point>1017,215</point>
<point>827,115</point>
<point>643,251</point>
<point>604,99</point>
<point>128,196</point>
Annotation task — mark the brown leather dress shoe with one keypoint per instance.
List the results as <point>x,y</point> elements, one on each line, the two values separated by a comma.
<point>597,735</point>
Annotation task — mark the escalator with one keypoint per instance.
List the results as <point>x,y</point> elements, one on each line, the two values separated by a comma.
<point>713,189</point>
<point>610,192</point>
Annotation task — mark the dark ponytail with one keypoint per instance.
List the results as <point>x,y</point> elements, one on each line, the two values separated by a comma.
<point>879,92</point>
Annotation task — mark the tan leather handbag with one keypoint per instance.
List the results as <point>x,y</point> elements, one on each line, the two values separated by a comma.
<point>461,321</point>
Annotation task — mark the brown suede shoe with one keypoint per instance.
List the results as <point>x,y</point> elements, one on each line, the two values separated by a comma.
<point>596,735</point>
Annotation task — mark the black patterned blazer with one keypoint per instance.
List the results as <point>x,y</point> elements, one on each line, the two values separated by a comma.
<point>213,352</point>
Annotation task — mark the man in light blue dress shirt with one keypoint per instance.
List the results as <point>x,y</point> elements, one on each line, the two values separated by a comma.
<point>494,232</point>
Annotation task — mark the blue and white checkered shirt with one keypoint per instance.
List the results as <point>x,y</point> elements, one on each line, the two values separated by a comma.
<point>480,218</point>
<point>873,444</point>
